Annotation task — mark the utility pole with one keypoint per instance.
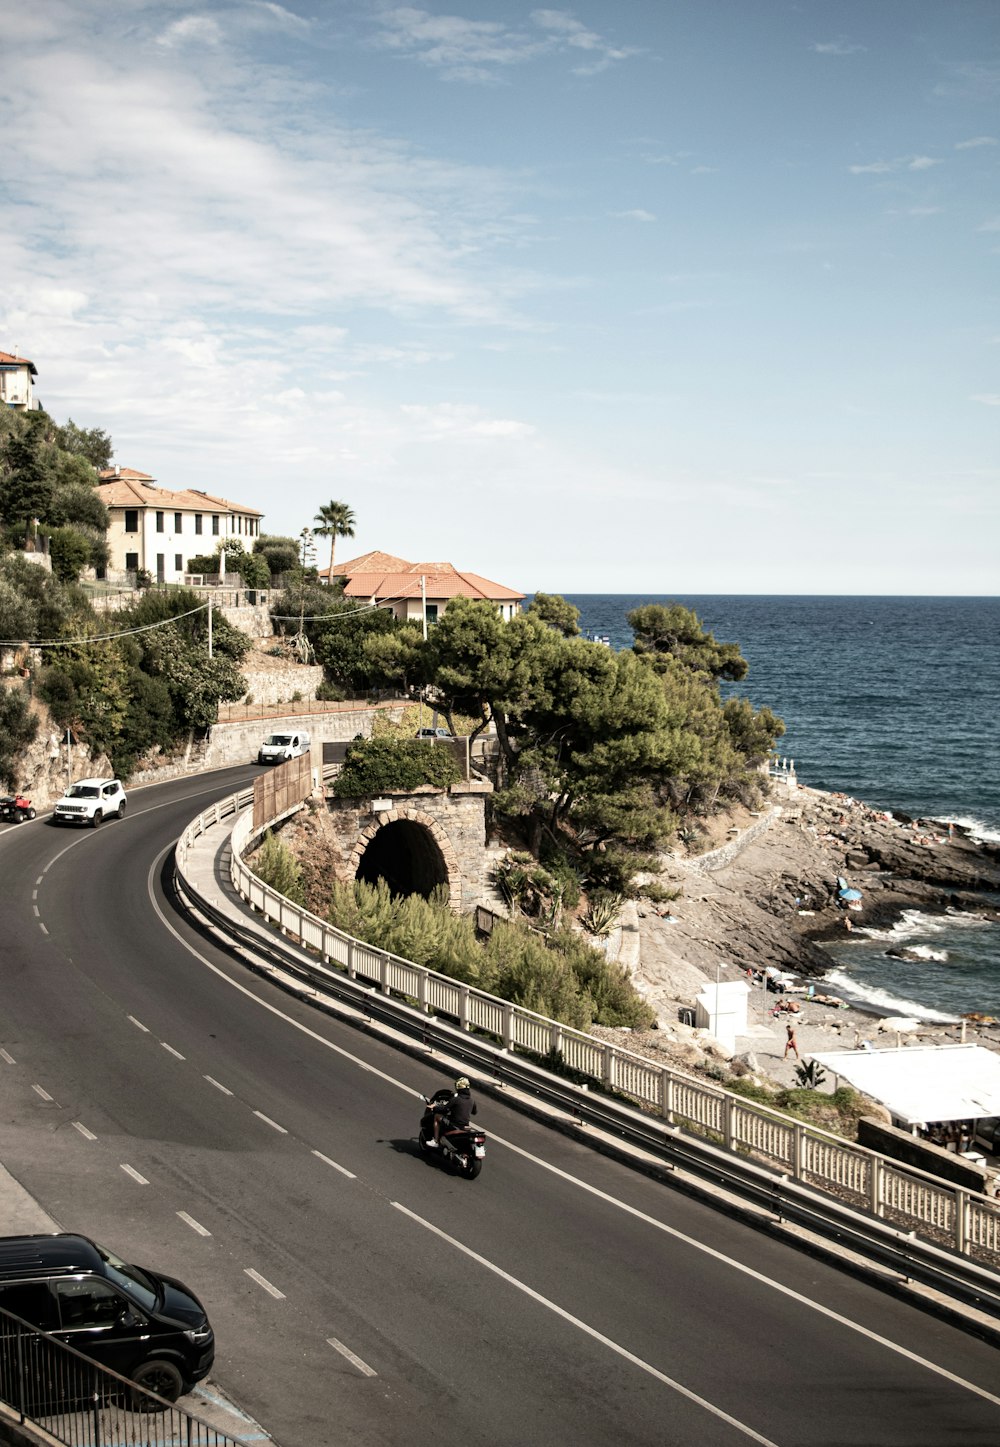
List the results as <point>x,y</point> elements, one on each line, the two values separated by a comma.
<point>210,628</point>
<point>423,602</point>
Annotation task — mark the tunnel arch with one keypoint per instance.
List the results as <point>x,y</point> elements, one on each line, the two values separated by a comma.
<point>410,851</point>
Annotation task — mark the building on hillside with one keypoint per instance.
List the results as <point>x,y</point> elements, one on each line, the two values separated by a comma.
<point>156,530</point>
<point>17,382</point>
<point>415,591</point>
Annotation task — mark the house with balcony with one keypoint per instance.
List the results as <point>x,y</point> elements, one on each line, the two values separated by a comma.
<point>17,376</point>
<point>415,591</point>
<point>158,530</point>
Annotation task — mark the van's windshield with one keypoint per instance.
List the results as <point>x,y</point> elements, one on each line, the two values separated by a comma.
<point>133,1281</point>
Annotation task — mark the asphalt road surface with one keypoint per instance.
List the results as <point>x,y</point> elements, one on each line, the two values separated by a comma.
<point>158,1096</point>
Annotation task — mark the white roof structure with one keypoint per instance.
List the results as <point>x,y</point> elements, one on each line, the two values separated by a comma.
<point>921,1083</point>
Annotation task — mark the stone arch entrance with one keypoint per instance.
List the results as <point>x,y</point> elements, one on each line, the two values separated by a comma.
<point>407,849</point>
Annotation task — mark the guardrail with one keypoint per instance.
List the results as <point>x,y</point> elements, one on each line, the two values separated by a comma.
<point>902,1196</point>
<point>77,1402</point>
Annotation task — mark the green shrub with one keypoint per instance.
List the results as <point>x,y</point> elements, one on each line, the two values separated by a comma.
<point>381,765</point>
<point>659,894</point>
<point>277,866</point>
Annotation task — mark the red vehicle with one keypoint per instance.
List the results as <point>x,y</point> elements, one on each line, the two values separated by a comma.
<point>15,807</point>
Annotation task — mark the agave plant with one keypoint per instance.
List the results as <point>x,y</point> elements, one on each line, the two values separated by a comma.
<point>601,915</point>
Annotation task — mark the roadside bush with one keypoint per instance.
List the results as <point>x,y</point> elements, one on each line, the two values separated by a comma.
<point>18,727</point>
<point>277,866</point>
<point>380,765</point>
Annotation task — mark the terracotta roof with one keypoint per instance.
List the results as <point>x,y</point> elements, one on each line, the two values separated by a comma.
<point>447,584</point>
<point>124,487</point>
<point>8,359</point>
<point>369,563</point>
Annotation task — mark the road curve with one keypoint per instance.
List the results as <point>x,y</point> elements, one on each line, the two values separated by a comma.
<point>160,1097</point>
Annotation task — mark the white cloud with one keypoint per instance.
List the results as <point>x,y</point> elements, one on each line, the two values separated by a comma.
<point>635,215</point>
<point>976,141</point>
<point>900,163</point>
<point>873,168</point>
<point>452,420</point>
<point>989,399</point>
<point>191,30</point>
<point>922,163</point>
<point>478,51</point>
<point>837,47</point>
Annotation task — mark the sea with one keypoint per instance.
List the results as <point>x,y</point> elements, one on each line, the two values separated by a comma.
<point>896,702</point>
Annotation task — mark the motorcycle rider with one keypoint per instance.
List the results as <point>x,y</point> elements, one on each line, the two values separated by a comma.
<point>455,1113</point>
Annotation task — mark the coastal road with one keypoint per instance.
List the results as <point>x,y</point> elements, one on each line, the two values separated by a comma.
<point>158,1096</point>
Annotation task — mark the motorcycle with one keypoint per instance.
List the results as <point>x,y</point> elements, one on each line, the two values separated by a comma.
<point>461,1150</point>
<point>15,808</point>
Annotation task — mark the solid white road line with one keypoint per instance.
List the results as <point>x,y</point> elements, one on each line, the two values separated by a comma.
<point>88,1135</point>
<point>263,1281</point>
<point>43,1093</point>
<point>171,1051</point>
<point>268,1121</point>
<point>131,1171</point>
<point>217,1085</point>
<point>338,1346</point>
<point>195,1225</point>
<point>691,1241</point>
<point>588,1330</point>
<point>327,1161</point>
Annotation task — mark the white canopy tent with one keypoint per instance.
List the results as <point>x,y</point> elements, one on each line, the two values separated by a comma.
<point>924,1083</point>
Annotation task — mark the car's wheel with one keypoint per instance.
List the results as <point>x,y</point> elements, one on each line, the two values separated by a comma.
<point>98,816</point>
<point>161,1377</point>
<point>121,810</point>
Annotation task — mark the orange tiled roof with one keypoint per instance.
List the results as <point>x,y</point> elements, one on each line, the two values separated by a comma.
<point>124,487</point>
<point>8,359</point>
<point>375,562</point>
<point>448,583</point>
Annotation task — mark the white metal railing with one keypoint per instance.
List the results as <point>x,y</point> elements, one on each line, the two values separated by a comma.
<point>856,1175</point>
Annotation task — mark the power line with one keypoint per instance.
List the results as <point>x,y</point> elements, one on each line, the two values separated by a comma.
<point>100,637</point>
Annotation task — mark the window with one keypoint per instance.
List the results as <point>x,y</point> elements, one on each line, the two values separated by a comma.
<point>131,519</point>
<point>131,562</point>
<point>197,523</point>
<point>178,562</point>
<point>161,567</point>
<point>432,612</point>
<point>215,523</point>
<point>178,521</point>
<point>86,1302</point>
<point>33,1302</point>
<point>159,522</point>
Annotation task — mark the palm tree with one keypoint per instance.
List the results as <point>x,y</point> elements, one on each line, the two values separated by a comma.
<point>335,521</point>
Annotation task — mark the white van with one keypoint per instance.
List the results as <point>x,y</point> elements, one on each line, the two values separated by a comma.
<point>276,748</point>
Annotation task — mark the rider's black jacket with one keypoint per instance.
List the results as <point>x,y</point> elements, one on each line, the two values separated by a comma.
<point>461,1110</point>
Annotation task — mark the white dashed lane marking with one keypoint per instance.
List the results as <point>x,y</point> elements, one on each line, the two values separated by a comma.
<point>263,1281</point>
<point>327,1161</point>
<point>171,1051</point>
<point>268,1121</point>
<point>131,1171</point>
<point>43,1093</point>
<point>217,1085</point>
<point>139,1025</point>
<point>338,1346</point>
<point>9,1058</point>
<point>195,1225</point>
<point>88,1135</point>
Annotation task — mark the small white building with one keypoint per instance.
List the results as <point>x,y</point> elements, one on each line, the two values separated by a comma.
<point>17,376</point>
<point>721,1009</point>
<point>157,530</point>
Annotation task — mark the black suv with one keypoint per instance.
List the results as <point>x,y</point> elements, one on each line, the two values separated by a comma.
<point>140,1324</point>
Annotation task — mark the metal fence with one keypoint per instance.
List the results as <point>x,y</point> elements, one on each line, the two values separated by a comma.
<point>77,1402</point>
<point>936,1210</point>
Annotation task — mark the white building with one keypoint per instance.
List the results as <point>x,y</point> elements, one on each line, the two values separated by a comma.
<point>158,531</point>
<point>16,382</point>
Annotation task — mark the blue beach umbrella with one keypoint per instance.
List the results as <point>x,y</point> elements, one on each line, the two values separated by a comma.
<point>851,894</point>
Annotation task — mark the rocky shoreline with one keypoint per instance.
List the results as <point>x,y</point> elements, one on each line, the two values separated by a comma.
<point>768,897</point>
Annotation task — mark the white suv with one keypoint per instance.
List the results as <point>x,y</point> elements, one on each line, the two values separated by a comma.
<point>88,801</point>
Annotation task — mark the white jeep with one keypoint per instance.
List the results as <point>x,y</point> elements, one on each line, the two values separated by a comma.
<point>89,801</point>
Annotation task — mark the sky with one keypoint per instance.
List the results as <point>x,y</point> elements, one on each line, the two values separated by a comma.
<point>664,296</point>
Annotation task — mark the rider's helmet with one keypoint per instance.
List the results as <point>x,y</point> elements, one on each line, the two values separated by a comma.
<point>462,1083</point>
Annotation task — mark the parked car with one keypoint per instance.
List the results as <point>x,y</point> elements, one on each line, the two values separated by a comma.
<point>142,1325</point>
<point>276,748</point>
<point>434,734</point>
<point>91,801</point>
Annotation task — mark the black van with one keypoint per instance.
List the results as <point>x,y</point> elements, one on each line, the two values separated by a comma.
<point>140,1324</point>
